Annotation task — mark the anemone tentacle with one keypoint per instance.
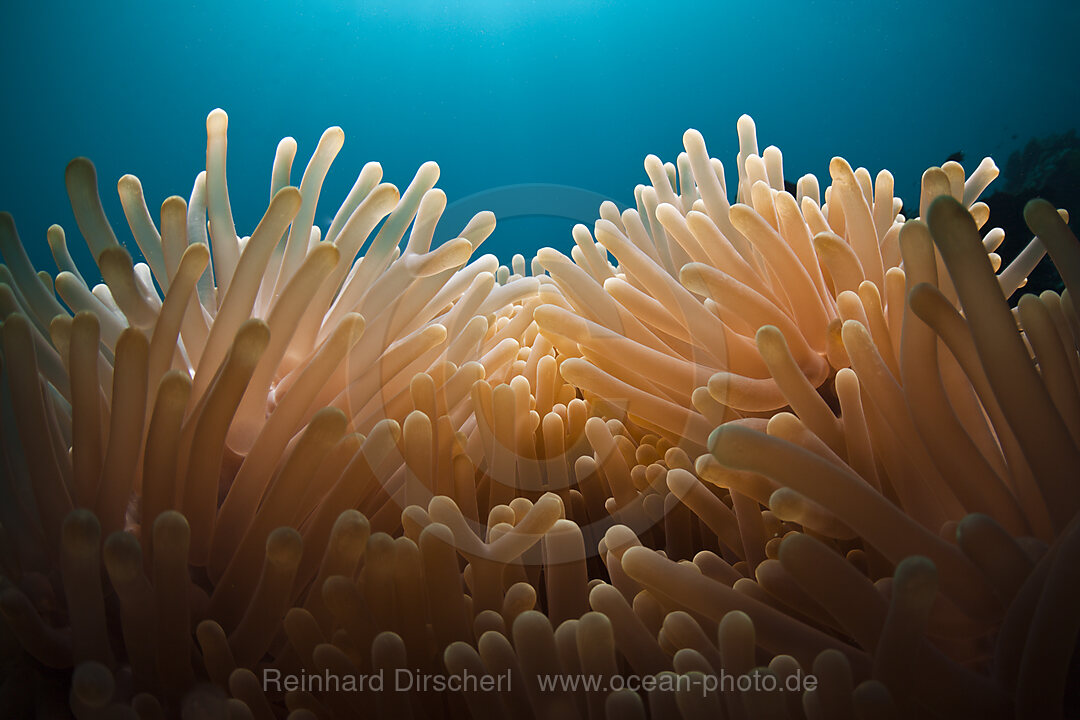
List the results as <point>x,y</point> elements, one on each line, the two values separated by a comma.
<point>797,433</point>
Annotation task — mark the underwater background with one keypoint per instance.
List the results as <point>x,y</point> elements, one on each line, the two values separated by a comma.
<point>567,92</point>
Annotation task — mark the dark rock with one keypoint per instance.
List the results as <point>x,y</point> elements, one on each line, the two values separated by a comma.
<point>1047,168</point>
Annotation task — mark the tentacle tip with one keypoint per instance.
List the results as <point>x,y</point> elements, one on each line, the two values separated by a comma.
<point>80,168</point>
<point>217,121</point>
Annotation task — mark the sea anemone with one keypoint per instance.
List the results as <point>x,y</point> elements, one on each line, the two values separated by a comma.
<point>797,434</point>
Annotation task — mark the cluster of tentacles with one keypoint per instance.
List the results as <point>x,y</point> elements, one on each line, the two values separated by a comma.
<point>800,434</point>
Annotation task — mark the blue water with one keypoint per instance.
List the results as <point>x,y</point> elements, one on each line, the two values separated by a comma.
<point>571,92</point>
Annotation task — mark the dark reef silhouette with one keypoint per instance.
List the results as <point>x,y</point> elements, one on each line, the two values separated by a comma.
<point>1048,168</point>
